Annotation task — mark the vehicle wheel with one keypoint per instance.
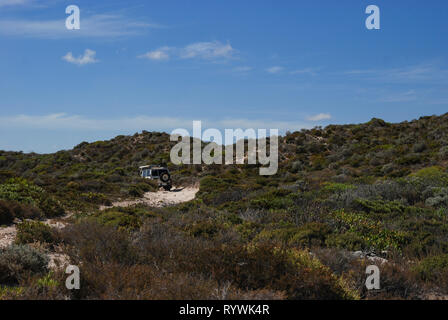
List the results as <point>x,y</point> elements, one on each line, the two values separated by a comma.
<point>165,177</point>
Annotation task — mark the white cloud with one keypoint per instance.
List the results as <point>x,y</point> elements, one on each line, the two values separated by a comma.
<point>4,3</point>
<point>242,69</point>
<point>95,26</point>
<point>53,132</point>
<point>87,58</point>
<point>159,54</point>
<point>400,97</point>
<point>274,70</point>
<point>207,50</point>
<point>319,117</point>
<point>415,73</point>
<point>309,71</point>
<point>261,124</point>
<point>214,50</point>
<point>62,121</point>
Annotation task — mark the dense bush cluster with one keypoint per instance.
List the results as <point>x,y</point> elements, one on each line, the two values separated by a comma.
<point>22,199</point>
<point>18,262</point>
<point>117,264</point>
<point>35,231</point>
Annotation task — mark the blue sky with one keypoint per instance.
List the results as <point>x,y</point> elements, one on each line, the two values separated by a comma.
<point>158,65</point>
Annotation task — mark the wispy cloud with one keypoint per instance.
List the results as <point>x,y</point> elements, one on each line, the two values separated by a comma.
<point>158,54</point>
<point>87,58</point>
<point>4,3</point>
<point>213,50</point>
<point>309,71</point>
<point>94,26</point>
<point>275,69</point>
<point>400,97</point>
<point>62,121</point>
<point>207,50</point>
<point>242,69</point>
<point>415,73</point>
<point>319,117</point>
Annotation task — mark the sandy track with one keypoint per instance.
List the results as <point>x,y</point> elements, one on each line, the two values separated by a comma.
<point>160,198</point>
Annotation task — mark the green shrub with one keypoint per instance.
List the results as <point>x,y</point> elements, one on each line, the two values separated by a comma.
<point>314,233</point>
<point>12,209</point>
<point>349,241</point>
<point>439,198</point>
<point>35,231</point>
<point>206,229</point>
<point>248,230</point>
<point>26,193</point>
<point>265,266</point>
<point>379,206</point>
<point>443,153</point>
<point>6,213</point>
<point>51,207</point>
<point>47,281</point>
<point>434,176</point>
<point>332,187</point>
<point>7,292</point>
<point>20,190</point>
<point>136,191</point>
<point>372,232</point>
<point>119,220</point>
<point>277,199</point>
<point>148,185</point>
<point>17,262</point>
<point>433,268</point>
<point>91,242</point>
<point>96,198</point>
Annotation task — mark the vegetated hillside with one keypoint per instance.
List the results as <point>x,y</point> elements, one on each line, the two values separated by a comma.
<point>378,188</point>
<point>362,152</point>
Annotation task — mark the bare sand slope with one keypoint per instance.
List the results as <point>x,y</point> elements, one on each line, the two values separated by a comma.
<point>7,236</point>
<point>160,198</point>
